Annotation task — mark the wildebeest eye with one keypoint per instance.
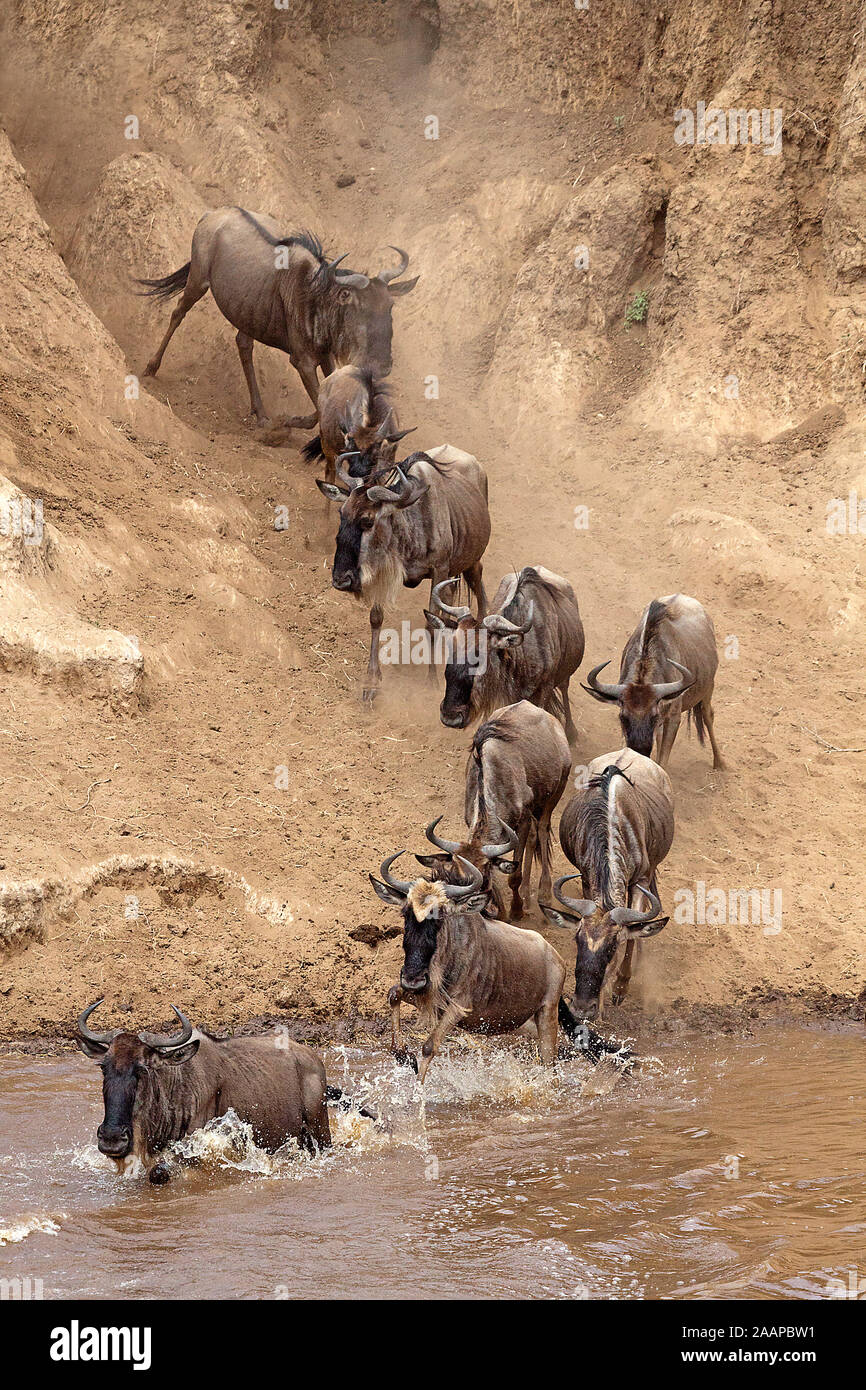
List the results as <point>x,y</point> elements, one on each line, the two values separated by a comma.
<point>345,296</point>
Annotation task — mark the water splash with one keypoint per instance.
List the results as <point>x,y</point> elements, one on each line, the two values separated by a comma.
<point>23,1226</point>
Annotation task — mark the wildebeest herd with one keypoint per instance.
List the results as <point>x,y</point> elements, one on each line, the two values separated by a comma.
<point>508,664</point>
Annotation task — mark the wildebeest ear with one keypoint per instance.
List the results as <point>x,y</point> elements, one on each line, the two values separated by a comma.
<point>650,928</point>
<point>91,1049</point>
<point>179,1055</point>
<point>559,919</point>
<point>505,866</point>
<point>387,894</point>
<point>403,286</point>
<point>330,490</point>
<point>432,861</point>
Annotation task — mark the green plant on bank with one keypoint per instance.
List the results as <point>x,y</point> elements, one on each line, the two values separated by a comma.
<point>637,310</point>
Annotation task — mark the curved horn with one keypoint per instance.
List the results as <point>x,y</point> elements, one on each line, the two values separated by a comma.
<point>168,1042</point>
<point>399,885</point>
<point>329,268</point>
<point>504,626</point>
<point>458,613</point>
<point>584,907</point>
<point>456,891</point>
<point>608,692</point>
<point>102,1039</point>
<point>449,846</point>
<point>667,689</point>
<point>496,851</point>
<point>386,276</point>
<point>348,482</point>
<point>632,916</point>
<point>351,279</point>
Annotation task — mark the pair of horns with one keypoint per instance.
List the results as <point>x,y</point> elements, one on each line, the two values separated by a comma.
<point>452,847</point>
<point>494,622</point>
<point>663,690</point>
<point>356,280</point>
<point>623,916</point>
<point>454,891</point>
<point>158,1041</point>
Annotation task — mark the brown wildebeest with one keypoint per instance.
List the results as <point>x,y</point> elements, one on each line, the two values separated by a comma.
<point>527,648</point>
<point>616,830</point>
<point>517,770</point>
<point>461,969</point>
<point>158,1089</point>
<point>425,518</point>
<point>674,632</point>
<point>357,424</point>
<point>283,291</point>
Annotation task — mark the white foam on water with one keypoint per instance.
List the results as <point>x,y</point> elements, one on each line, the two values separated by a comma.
<point>20,1227</point>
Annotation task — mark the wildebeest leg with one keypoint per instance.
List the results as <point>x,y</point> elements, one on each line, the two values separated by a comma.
<point>547,1024</point>
<point>374,671</point>
<point>402,1055</point>
<point>707,712</point>
<point>522,856</point>
<point>435,579</point>
<point>544,885</point>
<point>245,348</point>
<point>570,726</point>
<point>669,731</point>
<point>475,583</point>
<point>194,291</point>
<point>306,369</point>
<point>437,1037</point>
<point>623,978</point>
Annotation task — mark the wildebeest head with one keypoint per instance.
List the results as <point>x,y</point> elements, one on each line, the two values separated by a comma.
<point>641,703</point>
<point>130,1064</point>
<point>598,934</point>
<point>369,449</point>
<point>485,857</point>
<point>425,905</point>
<point>366,515</point>
<point>359,309</point>
<point>474,648</point>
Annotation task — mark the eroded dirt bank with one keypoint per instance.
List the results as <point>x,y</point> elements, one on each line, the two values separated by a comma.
<point>165,648</point>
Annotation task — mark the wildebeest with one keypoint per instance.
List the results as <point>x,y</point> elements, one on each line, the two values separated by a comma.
<point>527,648</point>
<point>461,969</point>
<point>616,830</point>
<point>425,518</point>
<point>517,770</point>
<point>284,292</point>
<point>675,634</point>
<point>357,424</point>
<point>158,1089</point>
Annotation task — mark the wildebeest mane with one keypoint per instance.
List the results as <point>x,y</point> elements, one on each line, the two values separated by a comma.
<point>592,830</point>
<point>306,239</point>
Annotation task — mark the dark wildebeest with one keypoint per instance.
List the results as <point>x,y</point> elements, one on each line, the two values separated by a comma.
<point>357,424</point>
<point>461,969</point>
<point>675,634</point>
<point>425,518</point>
<point>527,648</point>
<point>158,1089</point>
<point>284,292</point>
<point>517,770</point>
<point>616,830</point>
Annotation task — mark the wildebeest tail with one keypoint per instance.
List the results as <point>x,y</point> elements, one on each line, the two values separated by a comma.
<point>696,713</point>
<point>335,1096</point>
<point>313,450</point>
<point>168,286</point>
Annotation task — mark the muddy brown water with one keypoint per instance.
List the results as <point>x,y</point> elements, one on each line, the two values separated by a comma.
<point>733,1168</point>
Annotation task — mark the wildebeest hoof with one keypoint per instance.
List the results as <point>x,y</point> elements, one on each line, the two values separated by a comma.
<point>369,693</point>
<point>159,1174</point>
<point>404,1058</point>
